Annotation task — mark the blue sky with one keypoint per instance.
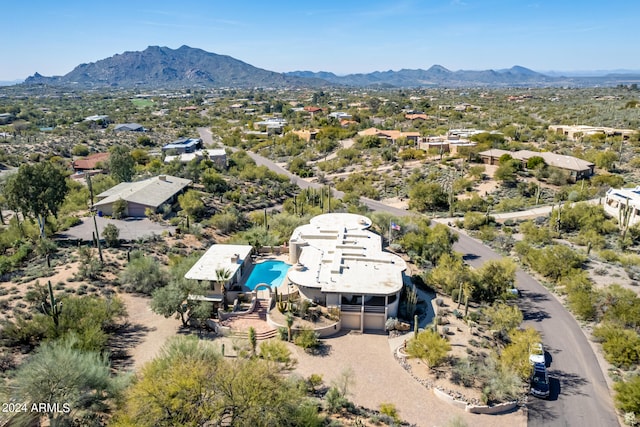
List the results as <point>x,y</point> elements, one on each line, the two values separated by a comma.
<point>52,37</point>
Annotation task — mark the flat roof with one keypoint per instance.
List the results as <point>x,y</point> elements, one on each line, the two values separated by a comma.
<point>552,159</point>
<point>340,255</point>
<point>631,194</point>
<point>219,257</point>
<point>184,142</point>
<point>187,157</point>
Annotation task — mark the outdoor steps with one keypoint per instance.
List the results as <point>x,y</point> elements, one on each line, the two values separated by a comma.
<point>259,313</point>
<point>260,336</point>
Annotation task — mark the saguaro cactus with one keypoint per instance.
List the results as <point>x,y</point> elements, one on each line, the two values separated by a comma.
<point>412,300</point>
<point>52,307</point>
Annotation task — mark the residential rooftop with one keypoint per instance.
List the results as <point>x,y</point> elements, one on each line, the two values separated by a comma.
<point>226,257</point>
<point>552,159</point>
<point>149,192</point>
<point>340,255</point>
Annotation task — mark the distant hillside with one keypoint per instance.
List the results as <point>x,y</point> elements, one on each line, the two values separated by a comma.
<point>187,67</point>
<point>164,67</point>
<point>437,75</point>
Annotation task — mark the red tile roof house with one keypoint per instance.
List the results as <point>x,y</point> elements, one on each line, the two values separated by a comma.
<point>91,162</point>
<point>313,110</point>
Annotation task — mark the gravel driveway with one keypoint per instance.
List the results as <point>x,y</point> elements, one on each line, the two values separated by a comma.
<point>378,378</point>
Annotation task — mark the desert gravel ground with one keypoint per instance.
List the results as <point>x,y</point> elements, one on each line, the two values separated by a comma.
<point>377,376</point>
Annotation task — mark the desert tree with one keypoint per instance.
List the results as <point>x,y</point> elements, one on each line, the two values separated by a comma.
<point>143,274</point>
<point>121,164</point>
<point>190,383</point>
<point>430,347</point>
<point>37,191</point>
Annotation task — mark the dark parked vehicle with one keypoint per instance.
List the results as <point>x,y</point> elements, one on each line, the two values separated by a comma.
<point>540,381</point>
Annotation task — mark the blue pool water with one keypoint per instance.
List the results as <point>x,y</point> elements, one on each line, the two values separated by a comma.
<point>270,272</point>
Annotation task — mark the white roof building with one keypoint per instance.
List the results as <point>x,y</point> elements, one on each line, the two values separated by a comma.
<point>217,155</point>
<point>578,168</point>
<point>619,200</point>
<point>225,257</point>
<point>339,262</point>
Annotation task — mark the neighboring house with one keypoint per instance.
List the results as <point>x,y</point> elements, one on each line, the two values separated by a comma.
<point>184,145</point>
<point>574,133</point>
<point>346,123</point>
<point>338,262</point>
<point>307,135</point>
<point>150,193</point>
<point>235,259</point>
<point>91,162</point>
<point>577,168</point>
<point>271,125</point>
<point>98,119</point>
<point>216,155</point>
<point>313,110</point>
<point>6,118</point>
<point>390,135</point>
<point>443,144</point>
<point>617,201</point>
<point>416,116</point>
<point>466,133</point>
<point>340,115</point>
<point>129,127</point>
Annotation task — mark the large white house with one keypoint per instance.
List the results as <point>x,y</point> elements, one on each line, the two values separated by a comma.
<point>618,200</point>
<point>338,262</point>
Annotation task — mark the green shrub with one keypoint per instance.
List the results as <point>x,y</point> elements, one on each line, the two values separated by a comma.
<point>430,347</point>
<point>276,351</point>
<point>621,346</point>
<point>554,262</point>
<point>390,410</point>
<point>335,401</point>
<point>627,396</point>
<point>535,234</point>
<point>609,255</point>
<point>111,235</point>
<point>582,302</point>
<point>143,274</point>
<point>307,339</point>
<point>474,220</point>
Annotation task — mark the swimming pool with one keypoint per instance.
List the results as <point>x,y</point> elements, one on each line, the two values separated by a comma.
<point>270,272</point>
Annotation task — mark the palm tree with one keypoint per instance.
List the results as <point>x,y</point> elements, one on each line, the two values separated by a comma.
<point>222,275</point>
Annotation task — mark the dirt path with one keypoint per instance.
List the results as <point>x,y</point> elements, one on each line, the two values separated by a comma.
<point>147,332</point>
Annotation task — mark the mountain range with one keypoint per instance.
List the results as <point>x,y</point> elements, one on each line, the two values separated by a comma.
<point>157,67</point>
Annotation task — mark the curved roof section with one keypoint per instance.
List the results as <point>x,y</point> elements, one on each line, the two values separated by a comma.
<point>339,254</point>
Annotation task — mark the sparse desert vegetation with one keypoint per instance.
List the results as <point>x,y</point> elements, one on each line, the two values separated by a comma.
<point>588,258</point>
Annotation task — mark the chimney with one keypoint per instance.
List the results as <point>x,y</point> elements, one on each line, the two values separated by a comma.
<point>162,177</point>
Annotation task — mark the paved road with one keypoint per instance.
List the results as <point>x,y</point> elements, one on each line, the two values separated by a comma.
<point>580,396</point>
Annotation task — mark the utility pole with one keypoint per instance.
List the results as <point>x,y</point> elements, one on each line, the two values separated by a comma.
<point>95,224</point>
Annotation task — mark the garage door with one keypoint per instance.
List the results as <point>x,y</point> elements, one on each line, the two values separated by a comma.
<point>350,320</point>
<point>136,209</point>
<point>374,321</point>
